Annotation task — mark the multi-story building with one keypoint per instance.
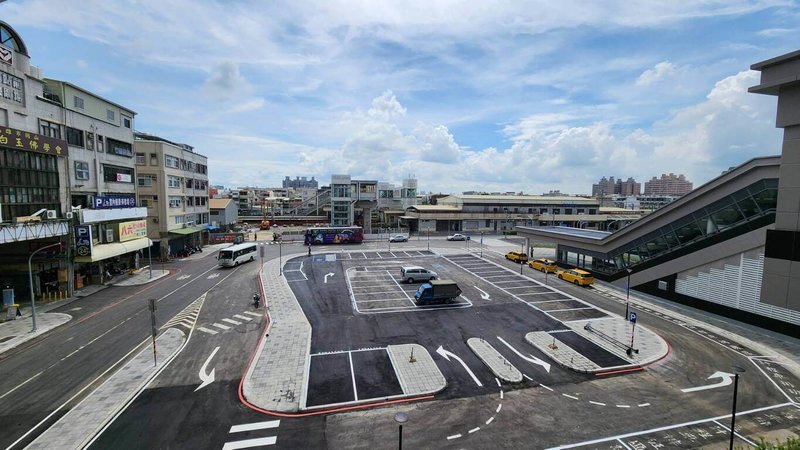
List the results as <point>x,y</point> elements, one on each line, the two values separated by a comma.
<point>173,186</point>
<point>675,185</point>
<point>355,202</point>
<point>609,186</point>
<point>638,202</point>
<point>300,183</point>
<point>34,200</point>
<point>102,181</point>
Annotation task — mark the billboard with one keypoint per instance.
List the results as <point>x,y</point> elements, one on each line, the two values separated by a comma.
<point>135,229</point>
<point>83,240</point>
<point>114,201</point>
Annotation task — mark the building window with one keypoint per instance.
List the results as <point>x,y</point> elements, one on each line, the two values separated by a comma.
<point>568,211</point>
<point>75,137</point>
<point>119,148</point>
<point>143,202</point>
<point>189,201</point>
<point>81,170</point>
<point>556,210</point>
<point>51,129</point>
<point>174,201</point>
<point>592,211</point>
<point>171,161</point>
<point>100,143</point>
<point>179,219</point>
<point>173,182</point>
<point>110,115</point>
<point>153,159</point>
<point>189,183</point>
<point>140,159</point>
<point>580,210</point>
<point>146,180</point>
<point>126,122</point>
<point>116,174</point>
<point>77,102</point>
<point>90,140</point>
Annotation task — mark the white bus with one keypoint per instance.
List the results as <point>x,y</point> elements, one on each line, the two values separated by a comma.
<point>237,254</point>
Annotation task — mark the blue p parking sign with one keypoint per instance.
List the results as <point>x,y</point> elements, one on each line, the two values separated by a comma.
<point>633,317</point>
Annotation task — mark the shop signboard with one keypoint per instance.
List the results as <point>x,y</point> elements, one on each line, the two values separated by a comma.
<point>114,201</point>
<point>222,238</point>
<point>134,229</point>
<point>83,240</point>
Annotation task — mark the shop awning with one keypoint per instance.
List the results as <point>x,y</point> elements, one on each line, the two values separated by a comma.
<point>187,230</point>
<point>105,251</point>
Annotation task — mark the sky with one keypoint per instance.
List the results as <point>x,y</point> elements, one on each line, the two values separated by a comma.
<point>463,95</point>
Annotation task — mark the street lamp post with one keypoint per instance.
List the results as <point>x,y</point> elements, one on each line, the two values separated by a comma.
<point>30,280</point>
<point>401,418</point>
<point>628,292</point>
<point>736,371</point>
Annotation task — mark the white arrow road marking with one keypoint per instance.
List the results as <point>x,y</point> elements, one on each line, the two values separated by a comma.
<point>212,276</point>
<point>530,358</point>
<point>328,275</point>
<point>727,379</point>
<point>183,277</point>
<point>484,295</point>
<point>206,378</point>
<point>446,355</point>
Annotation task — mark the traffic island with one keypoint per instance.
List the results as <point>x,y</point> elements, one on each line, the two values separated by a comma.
<point>497,363</point>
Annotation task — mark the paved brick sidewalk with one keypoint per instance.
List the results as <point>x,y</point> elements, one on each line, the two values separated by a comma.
<point>143,277</point>
<point>276,378</point>
<point>16,332</point>
<point>422,376</point>
<point>76,428</point>
<point>496,362</point>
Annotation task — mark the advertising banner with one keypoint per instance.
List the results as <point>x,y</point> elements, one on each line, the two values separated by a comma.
<point>83,240</point>
<point>135,229</point>
<point>116,201</point>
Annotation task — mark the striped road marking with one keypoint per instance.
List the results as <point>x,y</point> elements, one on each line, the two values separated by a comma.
<point>206,330</point>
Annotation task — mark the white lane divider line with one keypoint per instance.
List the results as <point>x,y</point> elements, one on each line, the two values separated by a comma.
<point>501,394</point>
<point>242,317</point>
<point>353,374</point>
<point>255,426</point>
<point>643,404</point>
<point>231,321</point>
<point>220,326</point>
<point>623,406</point>
<point>497,411</point>
<point>474,430</point>
<point>570,396</point>
<point>527,377</point>
<point>490,420</point>
<point>247,443</point>
<point>548,388</point>
<point>498,383</point>
<point>455,436</point>
<point>597,403</point>
<point>206,330</point>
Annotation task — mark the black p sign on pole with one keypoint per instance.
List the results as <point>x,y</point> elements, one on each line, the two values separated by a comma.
<point>151,304</point>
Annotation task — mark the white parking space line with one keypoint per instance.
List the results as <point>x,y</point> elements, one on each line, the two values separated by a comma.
<point>206,330</point>
<point>375,293</point>
<point>387,300</point>
<point>220,326</point>
<point>404,292</point>
<point>231,321</point>
<point>568,309</point>
<point>353,375</point>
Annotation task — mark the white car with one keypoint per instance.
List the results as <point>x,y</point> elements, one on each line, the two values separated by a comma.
<point>458,237</point>
<point>398,238</point>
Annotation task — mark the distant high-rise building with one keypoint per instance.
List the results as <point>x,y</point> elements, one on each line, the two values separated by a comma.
<point>300,183</point>
<point>609,186</point>
<point>668,185</point>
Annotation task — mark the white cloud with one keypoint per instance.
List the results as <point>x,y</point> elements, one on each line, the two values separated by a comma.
<point>386,107</point>
<point>662,70</point>
<point>225,81</point>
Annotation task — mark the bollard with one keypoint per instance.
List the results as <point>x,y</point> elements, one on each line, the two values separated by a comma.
<point>412,359</point>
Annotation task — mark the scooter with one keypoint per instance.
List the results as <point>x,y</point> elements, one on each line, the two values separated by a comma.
<point>256,300</point>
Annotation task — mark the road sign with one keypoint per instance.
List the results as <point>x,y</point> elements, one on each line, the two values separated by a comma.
<point>633,317</point>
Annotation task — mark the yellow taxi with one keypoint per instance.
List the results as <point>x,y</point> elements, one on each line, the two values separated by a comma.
<point>516,256</point>
<point>577,276</point>
<point>543,265</point>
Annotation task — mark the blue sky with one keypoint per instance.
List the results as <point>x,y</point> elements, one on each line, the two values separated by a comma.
<point>494,96</point>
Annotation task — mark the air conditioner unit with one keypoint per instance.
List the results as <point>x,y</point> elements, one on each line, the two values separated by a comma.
<point>51,214</point>
<point>183,225</point>
<point>109,236</point>
<point>69,215</point>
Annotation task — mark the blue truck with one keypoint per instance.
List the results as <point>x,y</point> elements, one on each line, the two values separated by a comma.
<point>437,291</point>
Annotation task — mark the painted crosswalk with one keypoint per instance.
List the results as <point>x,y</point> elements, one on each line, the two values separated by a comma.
<point>226,323</point>
<point>251,429</point>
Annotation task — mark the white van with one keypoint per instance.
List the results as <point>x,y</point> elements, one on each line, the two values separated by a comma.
<point>412,274</point>
<point>234,255</point>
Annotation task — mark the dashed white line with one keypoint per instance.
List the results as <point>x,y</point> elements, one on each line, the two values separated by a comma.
<point>474,430</point>
<point>570,396</point>
<point>643,404</point>
<point>623,406</point>
<point>490,420</point>
<point>527,377</point>
<point>501,394</point>
<point>498,382</point>
<point>597,403</point>
<point>455,436</point>
<point>497,411</point>
<point>548,388</point>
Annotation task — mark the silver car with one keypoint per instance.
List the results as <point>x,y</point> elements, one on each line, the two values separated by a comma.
<point>413,274</point>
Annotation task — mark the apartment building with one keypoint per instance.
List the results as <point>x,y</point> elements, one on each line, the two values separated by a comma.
<point>173,185</point>
<point>675,185</point>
